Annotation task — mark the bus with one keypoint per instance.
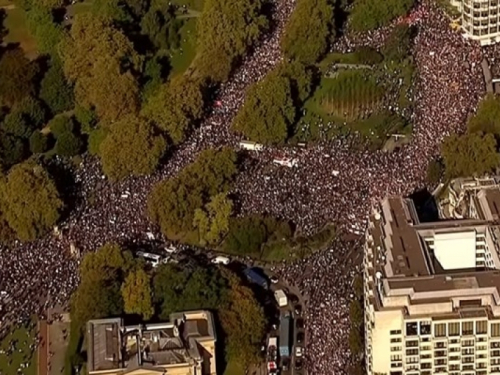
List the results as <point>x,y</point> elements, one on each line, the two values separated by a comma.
<point>251,146</point>
<point>153,259</point>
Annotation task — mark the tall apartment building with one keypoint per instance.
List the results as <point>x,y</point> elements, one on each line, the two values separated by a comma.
<point>432,290</point>
<point>480,19</point>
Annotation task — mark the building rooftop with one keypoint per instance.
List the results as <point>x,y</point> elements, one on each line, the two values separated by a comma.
<point>435,262</point>
<point>114,346</point>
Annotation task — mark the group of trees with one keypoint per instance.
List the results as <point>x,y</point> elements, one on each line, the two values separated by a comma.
<point>475,153</point>
<point>272,104</point>
<point>196,200</point>
<point>371,14</point>
<point>113,283</point>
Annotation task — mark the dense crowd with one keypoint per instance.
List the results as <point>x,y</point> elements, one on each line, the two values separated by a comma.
<point>332,182</point>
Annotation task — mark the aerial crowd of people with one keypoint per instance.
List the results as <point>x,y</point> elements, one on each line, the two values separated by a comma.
<point>331,183</point>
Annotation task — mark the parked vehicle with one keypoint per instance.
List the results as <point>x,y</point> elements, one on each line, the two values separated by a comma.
<point>285,330</point>
<point>299,351</point>
<point>281,298</point>
<point>272,355</point>
<point>300,338</point>
<point>221,260</point>
<point>255,277</point>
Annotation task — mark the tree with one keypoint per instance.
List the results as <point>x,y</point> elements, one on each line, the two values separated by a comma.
<point>136,294</point>
<point>39,143</point>
<point>371,14</point>
<point>16,124</point>
<point>161,27</point>
<point>213,221</point>
<point>47,33</point>
<point>176,106</point>
<point>55,91</point>
<point>246,236</point>
<point>137,7</point>
<point>226,29</point>
<point>28,185</point>
<point>68,144</point>
<point>172,203</point>
<point>487,117</point>
<point>101,61</point>
<point>472,154</point>
<point>179,288</point>
<point>301,80</point>
<point>17,75</point>
<point>132,147</point>
<point>355,341</point>
<point>435,171</point>
<point>243,322</point>
<point>112,11</point>
<point>307,33</point>
<point>32,110</point>
<point>13,150</point>
<point>398,44</point>
<point>61,124</point>
<point>98,294</point>
<point>268,111</point>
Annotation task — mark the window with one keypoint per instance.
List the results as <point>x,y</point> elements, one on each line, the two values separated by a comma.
<point>395,332</point>
<point>495,330</point>
<point>440,330</point>
<point>412,329</point>
<point>454,329</point>
<point>467,328</point>
<point>425,328</point>
<point>411,351</point>
<point>396,348</point>
<point>411,344</point>
<point>396,357</point>
<point>396,340</point>
<point>481,327</point>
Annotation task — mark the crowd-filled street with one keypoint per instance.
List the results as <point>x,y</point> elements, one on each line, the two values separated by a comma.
<point>40,274</point>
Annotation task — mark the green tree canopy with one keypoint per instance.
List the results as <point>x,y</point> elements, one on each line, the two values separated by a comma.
<point>371,14</point>
<point>131,148</point>
<point>268,111</point>
<point>244,323</point>
<point>226,29</point>
<point>61,124</point>
<point>435,171</point>
<point>307,33</point>
<point>213,221</point>
<point>178,288</point>
<point>13,150</point>
<point>98,294</point>
<point>17,124</point>
<point>246,235</point>
<point>28,185</point>
<point>172,203</point>
<point>136,294</point>
<point>472,154</point>
<point>176,106</point>
<point>161,27</point>
<point>68,144</point>
<point>55,91</point>
<point>487,117</point>
<point>47,33</point>
<point>101,61</point>
<point>39,143</point>
<point>17,75</point>
<point>398,44</point>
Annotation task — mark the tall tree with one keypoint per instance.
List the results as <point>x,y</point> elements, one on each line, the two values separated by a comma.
<point>487,117</point>
<point>176,107</point>
<point>47,33</point>
<point>213,221</point>
<point>55,90</point>
<point>101,61</point>
<point>17,75</point>
<point>307,33</point>
<point>371,14</point>
<point>226,29</point>
<point>132,147</point>
<point>136,294</point>
<point>472,154</point>
<point>28,185</point>
<point>268,111</point>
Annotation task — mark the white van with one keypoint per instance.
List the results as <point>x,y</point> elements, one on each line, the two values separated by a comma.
<point>221,260</point>
<point>170,249</point>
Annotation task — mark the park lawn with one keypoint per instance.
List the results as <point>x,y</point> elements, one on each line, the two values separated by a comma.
<point>17,32</point>
<point>79,8</point>
<point>182,58</point>
<point>22,354</point>
<point>234,368</point>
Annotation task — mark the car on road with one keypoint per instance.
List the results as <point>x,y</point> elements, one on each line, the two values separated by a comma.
<point>299,323</point>
<point>300,337</point>
<point>284,365</point>
<point>274,279</point>
<point>221,260</point>
<point>298,309</point>
<point>299,351</point>
<point>298,364</point>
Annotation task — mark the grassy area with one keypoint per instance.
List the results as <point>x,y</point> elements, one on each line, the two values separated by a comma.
<point>21,354</point>
<point>79,8</point>
<point>181,59</point>
<point>17,32</point>
<point>234,368</point>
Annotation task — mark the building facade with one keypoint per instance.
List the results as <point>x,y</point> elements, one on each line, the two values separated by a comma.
<point>183,346</point>
<point>480,19</point>
<point>432,290</point>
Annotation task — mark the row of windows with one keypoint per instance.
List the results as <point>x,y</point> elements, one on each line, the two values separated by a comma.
<point>449,329</point>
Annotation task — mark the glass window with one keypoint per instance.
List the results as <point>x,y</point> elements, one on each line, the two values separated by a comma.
<point>467,328</point>
<point>454,329</point>
<point>440,330</point>
<point>495,329</point>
